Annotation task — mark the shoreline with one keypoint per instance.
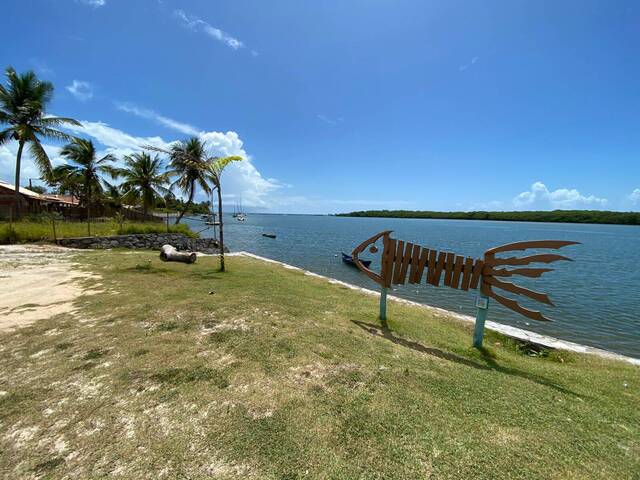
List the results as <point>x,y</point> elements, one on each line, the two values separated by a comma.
<point>509,331</point>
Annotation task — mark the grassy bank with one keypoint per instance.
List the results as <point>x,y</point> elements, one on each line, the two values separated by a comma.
<point>178,371</point>
<point>26,231</point>
<point>557,216</point>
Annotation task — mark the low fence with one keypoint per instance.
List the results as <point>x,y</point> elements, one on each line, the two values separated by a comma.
<point>106,211</point>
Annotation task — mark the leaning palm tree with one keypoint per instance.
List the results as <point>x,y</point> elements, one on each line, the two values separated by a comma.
<point>216,166</point>
<point>143,179</point>
<point>23,102</point>
<point>84,169</point>
<point>190,168</point>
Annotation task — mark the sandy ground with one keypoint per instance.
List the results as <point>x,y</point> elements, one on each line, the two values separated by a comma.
<point>36,282</point>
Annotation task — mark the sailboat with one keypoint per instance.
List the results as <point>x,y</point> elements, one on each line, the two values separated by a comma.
<point>240,215</point>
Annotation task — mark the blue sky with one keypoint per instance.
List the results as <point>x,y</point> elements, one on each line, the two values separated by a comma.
<point>363,104</point>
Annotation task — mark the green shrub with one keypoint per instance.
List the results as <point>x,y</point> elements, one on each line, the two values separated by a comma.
<point>41,229</point>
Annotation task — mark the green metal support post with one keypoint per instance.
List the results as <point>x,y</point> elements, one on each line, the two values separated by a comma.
<point>383,304</point>
<point>482,304</point>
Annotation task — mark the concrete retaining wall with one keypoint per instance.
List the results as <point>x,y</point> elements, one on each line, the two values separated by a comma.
<point>150,241</point>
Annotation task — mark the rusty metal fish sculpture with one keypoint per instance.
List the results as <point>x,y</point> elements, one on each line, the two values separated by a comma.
<point>406,262</point>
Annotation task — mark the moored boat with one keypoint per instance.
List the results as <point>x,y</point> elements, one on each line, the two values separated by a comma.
<point>348,259</point>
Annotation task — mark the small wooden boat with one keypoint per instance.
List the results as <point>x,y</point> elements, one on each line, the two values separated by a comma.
<point>269,235</point>
<point>348,259</point>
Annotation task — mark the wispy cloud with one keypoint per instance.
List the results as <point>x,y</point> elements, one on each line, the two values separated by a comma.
<point>635,196</point>
<point>93,3</point>
<point>41,66</point>
<point>473,61</point>
<point>329,120</point>
<point>156,117</point>
<point>83,91</point>
<point>198,25</point>
<point>539,196</point>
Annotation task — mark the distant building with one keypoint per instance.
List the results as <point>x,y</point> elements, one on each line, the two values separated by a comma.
<point>32,202</point>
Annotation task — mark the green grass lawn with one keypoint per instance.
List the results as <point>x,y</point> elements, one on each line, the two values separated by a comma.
<point>26,231</point>
<point>178,371</point>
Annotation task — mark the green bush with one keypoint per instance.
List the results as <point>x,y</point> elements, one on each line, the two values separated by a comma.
<point>41,230</point>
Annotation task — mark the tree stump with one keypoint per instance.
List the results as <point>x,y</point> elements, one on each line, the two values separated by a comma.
<point>168,253</point>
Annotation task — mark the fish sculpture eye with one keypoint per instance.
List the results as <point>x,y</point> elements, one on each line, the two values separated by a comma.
<point>373,249</point>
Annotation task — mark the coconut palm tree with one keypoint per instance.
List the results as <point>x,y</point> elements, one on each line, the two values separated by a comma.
<point>143,179</point>
<point>189,165</point>
<point>23,103</point>
<point>113,195</point>
<point>215,168</point>
<point>84,169</point>
<point>192,154</point>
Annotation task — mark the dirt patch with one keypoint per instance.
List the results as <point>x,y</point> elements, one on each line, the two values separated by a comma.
<point>37,282</point>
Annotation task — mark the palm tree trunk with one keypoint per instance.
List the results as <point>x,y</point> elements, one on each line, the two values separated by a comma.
<point>184,210</point>
<point>89,209</point>
<point>18,198</point>
<point>221,229</point>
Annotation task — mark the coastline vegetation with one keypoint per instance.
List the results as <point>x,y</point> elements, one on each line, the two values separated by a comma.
<point>141,180</point>
<point>560,216</point>
<point>264,372</point>
<point>40,229</point>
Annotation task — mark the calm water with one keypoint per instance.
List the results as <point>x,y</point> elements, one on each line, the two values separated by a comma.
<point>597,296</point>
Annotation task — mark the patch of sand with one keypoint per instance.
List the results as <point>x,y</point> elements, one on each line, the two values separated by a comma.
<point>37,282</point>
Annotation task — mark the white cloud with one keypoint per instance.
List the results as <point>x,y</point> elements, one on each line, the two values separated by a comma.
<point>82,90</point>
<point>41,66</point>
<point>473,61</point>
<point>114,139</point>
<point>635,196</point>
<point>156,117</point>
<point>539,196</point>
<point>330,121</point>
<point>239,178</point>
<point>94,3</point>
<point>198,25</point>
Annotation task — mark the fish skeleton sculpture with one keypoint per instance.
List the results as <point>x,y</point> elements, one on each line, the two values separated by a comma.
<point>405,261</point>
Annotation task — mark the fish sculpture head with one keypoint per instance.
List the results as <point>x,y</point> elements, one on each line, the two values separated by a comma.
<point>371,244</point>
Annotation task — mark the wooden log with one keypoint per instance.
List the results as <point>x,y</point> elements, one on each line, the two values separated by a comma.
<point>168,253</point>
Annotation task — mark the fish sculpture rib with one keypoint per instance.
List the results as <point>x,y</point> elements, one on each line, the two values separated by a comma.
<point>515,306</point>
<point>514,261</point>
<point>525,272</point>
<point>513,288</point>
<point>555,244</point>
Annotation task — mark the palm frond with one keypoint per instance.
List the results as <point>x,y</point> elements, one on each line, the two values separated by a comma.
<point>219,164</point>
<point>58,122</point>
<point>40,157</point>
<point>6,135</point>
<point>53,133</point>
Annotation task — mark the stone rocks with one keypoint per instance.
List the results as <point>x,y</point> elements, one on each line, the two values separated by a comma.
<point>148,241</point>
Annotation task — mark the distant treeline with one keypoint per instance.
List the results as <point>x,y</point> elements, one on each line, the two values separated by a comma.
<point>564,216</point>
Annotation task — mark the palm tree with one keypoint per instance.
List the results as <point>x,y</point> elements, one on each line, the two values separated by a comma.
<point>191,155</point>
<point>23,102</point>
<point>113,195</point>
<point>143,179</point>
<point>190,165</point>
<point>216,166</point>
<point>85,169</point>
